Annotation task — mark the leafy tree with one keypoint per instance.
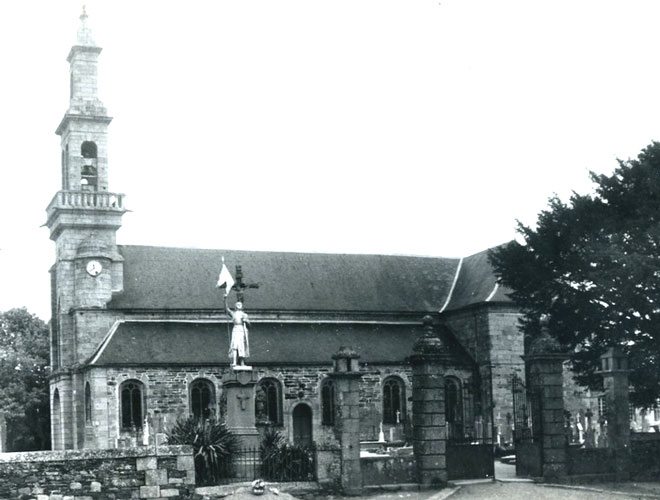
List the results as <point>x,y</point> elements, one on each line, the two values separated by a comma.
<point>593,264</point>
<point>24,370</point>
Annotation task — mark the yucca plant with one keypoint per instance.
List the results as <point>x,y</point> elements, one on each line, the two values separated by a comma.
<point>281,461</point>
<point>214,446</point>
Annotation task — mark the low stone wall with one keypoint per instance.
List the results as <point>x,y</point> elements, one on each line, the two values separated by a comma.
<point>328,466</point>
<point>585,461</point>
<point>645,452</point>
<point>134,473</point>
<point>388,470</point>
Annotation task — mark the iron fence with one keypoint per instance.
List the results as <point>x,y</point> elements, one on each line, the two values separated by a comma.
<point>527,411</point>
<point>286,464</point>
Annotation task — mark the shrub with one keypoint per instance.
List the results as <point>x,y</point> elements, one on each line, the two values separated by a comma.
<point>281,461</point>
<point>214,447</point>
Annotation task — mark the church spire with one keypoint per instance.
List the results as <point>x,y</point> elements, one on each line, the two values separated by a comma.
<point>84,32</point>
<point>83,61</point>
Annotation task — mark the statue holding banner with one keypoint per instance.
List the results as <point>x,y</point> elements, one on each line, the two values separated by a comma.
<point>239,347</point>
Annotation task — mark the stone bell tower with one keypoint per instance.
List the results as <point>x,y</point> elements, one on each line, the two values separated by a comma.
<point>83,218</point>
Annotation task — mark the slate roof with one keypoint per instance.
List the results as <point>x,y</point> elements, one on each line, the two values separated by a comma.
<point>184,278</point>
<point>197,343</point>
<point>476,283</point>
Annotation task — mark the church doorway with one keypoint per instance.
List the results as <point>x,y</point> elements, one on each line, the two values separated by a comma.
<point>302,425</point>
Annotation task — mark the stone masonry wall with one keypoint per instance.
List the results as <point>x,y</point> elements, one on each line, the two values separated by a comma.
<point>167,397</point>
<point>645,450</point>
<point>490,335</point>
<point>84,475</point>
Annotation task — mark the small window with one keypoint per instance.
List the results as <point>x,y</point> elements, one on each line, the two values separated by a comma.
<point>394,397</point>
<point>88,403</point>
<point>202,399</point>
<point>132,404</point>
<point>328,402</point>
<point>268,405</point>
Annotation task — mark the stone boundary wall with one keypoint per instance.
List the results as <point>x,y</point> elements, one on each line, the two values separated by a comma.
<point>581,461</point>
<point>328,466</point>
<point>385,470</point>
<point>645,454</point>
<point>168,472</point>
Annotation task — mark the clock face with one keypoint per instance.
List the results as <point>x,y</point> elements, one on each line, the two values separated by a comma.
<point>94,268</point>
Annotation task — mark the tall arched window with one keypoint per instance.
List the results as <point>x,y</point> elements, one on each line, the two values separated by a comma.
<point>453,408</point>
<point>132,404</point>
<point>88,172</point>
<point>394,401</point>
<point>328,402</point>
<point>268,402</point>
<point>57,422</point>
<point>202,399</point>
<point>88,403</point>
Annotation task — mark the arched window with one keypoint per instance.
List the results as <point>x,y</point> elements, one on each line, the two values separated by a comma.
<point>132,404</point>
<point>328,402</point>
<point>453,408</point>
<point>88,150</point>
<point>88,171</point>
<point>88,403</point>
<point>202,399</point>
<point>268,402</point>
<point>394,401</point>
<point>57,421</point>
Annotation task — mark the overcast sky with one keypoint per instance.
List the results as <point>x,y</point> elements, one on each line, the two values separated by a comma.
<point>411,126</point>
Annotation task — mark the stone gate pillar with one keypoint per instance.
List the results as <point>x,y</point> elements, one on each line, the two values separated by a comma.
<point>346,378</point>
<point>429,361</point>
<point>239,390</point>
<point>545,371</point>
<point>614,370</point>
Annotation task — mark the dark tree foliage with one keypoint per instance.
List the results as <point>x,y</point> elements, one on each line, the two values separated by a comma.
<point>593,264</point>
<point>24,370</point>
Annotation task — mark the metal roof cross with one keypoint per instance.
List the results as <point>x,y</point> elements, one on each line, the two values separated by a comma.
<point>240,285</point>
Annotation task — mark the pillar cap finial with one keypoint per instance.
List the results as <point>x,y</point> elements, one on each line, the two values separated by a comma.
<point>544,342</point>
<point>429,342</point>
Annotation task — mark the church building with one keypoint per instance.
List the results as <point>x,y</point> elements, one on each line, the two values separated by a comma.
<point>140,336</point>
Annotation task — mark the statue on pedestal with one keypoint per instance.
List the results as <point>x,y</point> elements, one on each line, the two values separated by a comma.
<point>239,347</point>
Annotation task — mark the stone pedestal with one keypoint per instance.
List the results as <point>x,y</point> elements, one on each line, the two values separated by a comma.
<point>545,369</point>
<point>614,370</point>
<point>429,363</point>
<point>239,390</point>
<point>346,378</point>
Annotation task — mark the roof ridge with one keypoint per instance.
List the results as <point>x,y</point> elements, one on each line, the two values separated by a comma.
<point>289,252</point>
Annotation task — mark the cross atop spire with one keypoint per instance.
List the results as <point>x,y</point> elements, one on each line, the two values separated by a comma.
<point>84,32</point>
